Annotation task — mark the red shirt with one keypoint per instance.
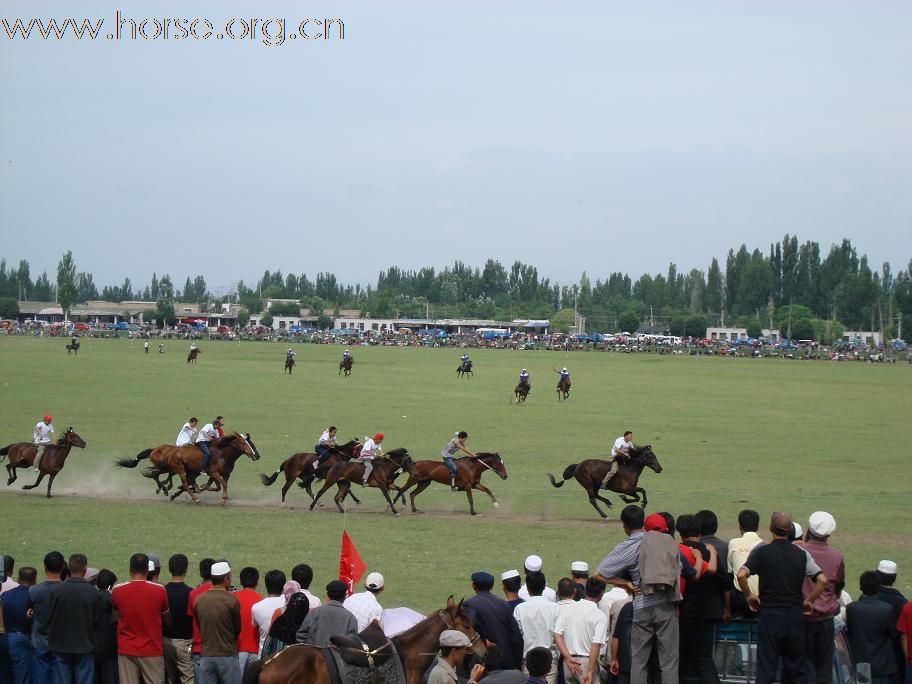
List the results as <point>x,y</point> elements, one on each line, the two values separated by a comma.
<point>689,554</point>
<point>139,605</point>
<point>191,599</point>
<point>904,625</point>
<point>248,640</point>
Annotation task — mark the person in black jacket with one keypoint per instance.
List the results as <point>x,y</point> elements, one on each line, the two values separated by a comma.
<point>73,614</point>
<point>870,626</point>
<point>105,632</point>
<point>493,618</point>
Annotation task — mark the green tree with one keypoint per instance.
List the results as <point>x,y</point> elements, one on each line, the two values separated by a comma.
<point>243,317</point>
<point>628,321</point>
<point>164,311</point>
<point>9,307</point>
<point>266,319</point>
<point>149,315</point>
<point>754,328</point>
<point>323,322</point>
<point>67,291</point>
<point>562,321</point>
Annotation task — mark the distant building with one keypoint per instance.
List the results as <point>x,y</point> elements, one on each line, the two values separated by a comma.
<point>733,334</point>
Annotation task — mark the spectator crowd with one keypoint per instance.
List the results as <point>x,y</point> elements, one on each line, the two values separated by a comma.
<point>640,616</point>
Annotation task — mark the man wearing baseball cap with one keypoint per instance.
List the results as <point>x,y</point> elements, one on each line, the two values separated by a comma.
<point>218,614</point>
<point>369,452</point>
<point>818,625</point>
<point>364,605</point>
<point>454,647</point>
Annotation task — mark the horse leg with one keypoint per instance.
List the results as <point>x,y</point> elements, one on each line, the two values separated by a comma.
<point>185,486</point>
<point>326,485</point>
<point>487,491</point>
<point>642,492</point>
<point>420,488</point>
<point>221,483</point>
<point>37,482</point>
<point>289,478</point>
<point>468,491</point>
<point>11,469</point>
<point>386,495</point>
<point>400,494</point>
<point>50,482</point>
<point>344,486</point>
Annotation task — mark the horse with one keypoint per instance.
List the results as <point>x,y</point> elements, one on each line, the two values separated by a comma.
<point>73,347</point>
<point>563,388</point>
<point>346,365</point>
<point>468,477</point>
<point>591,472</point>
<point>22,455</point>
<point>187,462</point>
<point>416,648</point>
<point>386,468</point>
<point>289,364</point>
<point>300,466</point>
<point>464,369</point>
<point>521,391</point>
<point>191,357</point>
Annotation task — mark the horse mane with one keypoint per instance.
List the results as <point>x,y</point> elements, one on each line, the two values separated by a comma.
<point>397,452</point>
<point>228,438</point>
<point>340,447</point>
<point>487,454</point>
<point>640,450</point>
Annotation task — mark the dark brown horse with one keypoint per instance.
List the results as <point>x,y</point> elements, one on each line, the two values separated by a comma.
<point>468,477</point>
<point>416,647</point>
<point>191,357</point>
<point>465,369</point>
<point>73,348</point>
<point>300,467</point>
<point>591,472</point>
<point>522,391</point>
<point>22,455</point>
<point>346,365</point>
<point>563,389</point>
<point>386,468</point>
<point>187,463</point>
<point>289,365</point>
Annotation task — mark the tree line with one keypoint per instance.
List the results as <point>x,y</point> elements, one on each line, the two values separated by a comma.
<point>791,287</point>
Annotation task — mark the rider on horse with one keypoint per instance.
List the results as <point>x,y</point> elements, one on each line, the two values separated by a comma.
<point>524,377</point>
<point>454,445</point>
<point>346,355</point>
<point>564,375</point>
<point>369,451</point>
<point>187,433</point>
<point>41,436</point>
<point>289,354</point>
<point>209,433</point>
<point>621,449</point>
<point>324,444</point>
<point>465,360</point>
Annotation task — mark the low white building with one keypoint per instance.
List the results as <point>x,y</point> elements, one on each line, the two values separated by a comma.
<point>871,339</point>
<point>734,334</point>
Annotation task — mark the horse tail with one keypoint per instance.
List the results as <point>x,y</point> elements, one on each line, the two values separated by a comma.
<point>5,450</point>
<point>151,472</point>
<point>569,472</point>
<point>270,479</point>
<point>133,462</point>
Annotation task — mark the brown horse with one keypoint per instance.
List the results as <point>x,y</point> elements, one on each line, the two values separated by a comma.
<point>73,348</point>
<point>384,473</point>
<point>591,472</point>
<point>22,455</point>
<point>300,466</point>
<point>346,365</point>
<point>289,365</point>
<point>187,462</point>
<point>522,391</point>
<point>191,357</point>
<point>464,370</point>
<point>563,389</point>
<point>468,477</point>
<point>416,648</point>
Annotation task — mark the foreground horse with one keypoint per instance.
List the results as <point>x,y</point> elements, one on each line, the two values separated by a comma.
<point>289,365</point>
<point>187,463</point>
<point>416,648</point>
<point>468,477</point>
<point>563,389</point>
<point>191,357</point>
<point>386,468</point>
<point>591,472</point>
<point>300,466</point>
<point>464,369</point>
<point>521,391</point>
<point>346,365</point>
<point>22,455</point>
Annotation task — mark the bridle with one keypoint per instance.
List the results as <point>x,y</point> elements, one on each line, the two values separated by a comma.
<point>450,625</point>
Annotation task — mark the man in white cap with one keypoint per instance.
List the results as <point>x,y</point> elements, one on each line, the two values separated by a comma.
<point>536,618</point>
<point>218,614</point>
<point>579,571</point>
<point>511,583</point>
<point>454,647</point>
<point>533,563</point>
<point>818,625</point>
<point>886,570</point>
<point>364,605</point>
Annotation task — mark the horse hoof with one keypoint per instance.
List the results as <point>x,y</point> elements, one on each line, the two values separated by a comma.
<point>605,518</point>
<point>395,515</point>
<point>496,505</point>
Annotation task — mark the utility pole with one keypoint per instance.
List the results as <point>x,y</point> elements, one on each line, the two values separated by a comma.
<point>899,326</point>
<point>651,318</point>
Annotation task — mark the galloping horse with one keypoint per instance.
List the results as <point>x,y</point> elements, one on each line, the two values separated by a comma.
<point>563,388</point>
<point>591,472</point>
<point>385,470</point>
<point>22,455</point>
<point>468,477</point>
<point>73,347</point>
<point>416,648</point>
<point>464,369</point>
<point>187,462</point>
<point>300,466</point>
<point>191,357</point>
<point>346,365</point>
<point>289,364</point>
<point>522,391</point>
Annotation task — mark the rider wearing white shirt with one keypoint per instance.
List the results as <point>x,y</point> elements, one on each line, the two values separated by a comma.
<point>209,433</point>
<point>621,449</point>
<point>41,436</point>
<point>369,451</point>
<point>187,433</point>
<point>324,445</point>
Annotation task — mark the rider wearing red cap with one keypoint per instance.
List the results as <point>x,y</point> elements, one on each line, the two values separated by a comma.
<point>41,436</point>
<point>369,451</point>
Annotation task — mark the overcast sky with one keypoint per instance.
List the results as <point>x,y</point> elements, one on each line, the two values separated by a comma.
<point>575,136</point>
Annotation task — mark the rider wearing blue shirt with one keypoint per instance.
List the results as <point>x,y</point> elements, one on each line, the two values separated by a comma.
<point>564,375</point>
<point>524,377</point>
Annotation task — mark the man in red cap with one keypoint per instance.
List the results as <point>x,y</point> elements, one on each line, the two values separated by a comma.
<point>42,437</point>
<point>369,452</point>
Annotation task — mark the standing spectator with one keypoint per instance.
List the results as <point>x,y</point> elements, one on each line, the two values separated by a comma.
<point>330,618</point>
<point>364,605</point>
<point>696,650</point>
<point>818,626</point>
<point>870,626</point>
<point>717,593</point>
<point>205,571</point>
<point>39,601</point>
<point>510,584</point>
<point>580,632</point>
<point>16,622</point>
<point>106,631</point>
<point>177,635</point>
<point>534,564</point>
<point>886,570</point>
<point>218,614</point>
<point>140,606</point>
<point>248,643</point>
<point>262,612</point>
<point>781,567</point>
<point>739,549</point>
<point>454,647</point>
<point>154,567</point>
<point>73,613</point>
<point>9,564</point>
<point>904,627</point>
<point>536,619</point>
<point>493,618</point>
<point>285,627</point>
<point>579,571</point>
<point>303,574</point>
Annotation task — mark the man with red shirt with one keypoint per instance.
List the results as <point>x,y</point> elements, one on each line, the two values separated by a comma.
<point>248,641</point>
<point>139,605</point>
<point>205,568</point>
<point>904,627</point>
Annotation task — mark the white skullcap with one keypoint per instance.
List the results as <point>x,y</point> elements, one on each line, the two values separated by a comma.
<point>509,574</point>
<point>533,564</point>
<point>887,567</point>
<point>220,569</point>
<point>822,524</point>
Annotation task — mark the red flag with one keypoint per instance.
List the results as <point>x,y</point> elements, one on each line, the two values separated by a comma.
<point>351,567</point>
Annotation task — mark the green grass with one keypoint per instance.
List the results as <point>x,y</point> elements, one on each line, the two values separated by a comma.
<point>731,433</point>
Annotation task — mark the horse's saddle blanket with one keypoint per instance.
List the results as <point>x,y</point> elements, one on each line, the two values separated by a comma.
<point>365,659</point>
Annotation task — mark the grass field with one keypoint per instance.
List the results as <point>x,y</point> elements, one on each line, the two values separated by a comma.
<point>730,433</point>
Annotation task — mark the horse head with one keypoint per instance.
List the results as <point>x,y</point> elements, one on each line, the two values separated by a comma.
<point>648,458</point>
<point>242,443</point>
<point>402,459</point>
<point>456,618</point>
<point>256,452</point>
<point>72,439</point>
<point>348,448</point>
<point>496,463</point>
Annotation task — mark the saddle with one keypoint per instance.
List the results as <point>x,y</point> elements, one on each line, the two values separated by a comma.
<point>371,648</point>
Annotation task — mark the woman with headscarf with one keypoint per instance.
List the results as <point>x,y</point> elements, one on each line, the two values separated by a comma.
<point>285,625</point>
